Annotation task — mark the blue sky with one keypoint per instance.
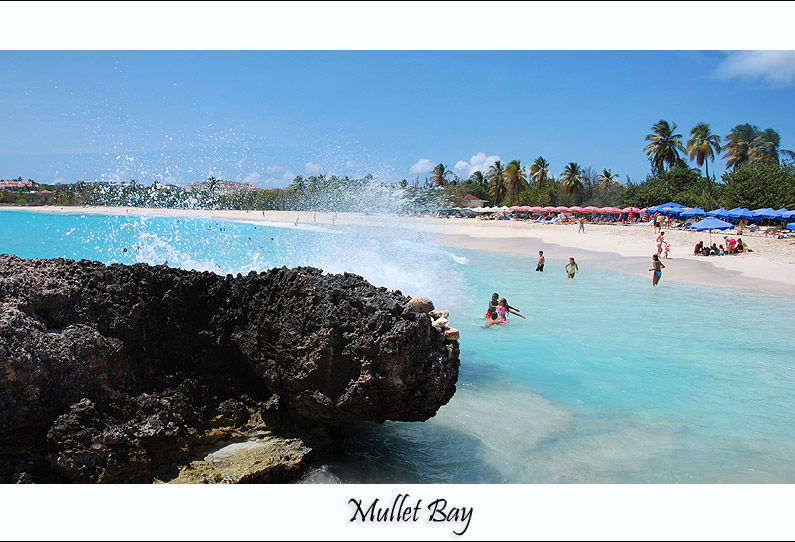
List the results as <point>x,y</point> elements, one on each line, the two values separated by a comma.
<point>266,116</point>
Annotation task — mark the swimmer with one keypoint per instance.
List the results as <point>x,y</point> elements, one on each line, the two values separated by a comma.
<point>540,265</point>
<point>571,268</point>
<point>657,267</point>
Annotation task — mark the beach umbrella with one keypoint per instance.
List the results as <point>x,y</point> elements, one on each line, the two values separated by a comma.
<point>576,209</point>
<point>534,209</point>
<point>766,212</point>
<point>741,212</point>
<point>630,210</point>
<point>651,210</point>
<point>590,209</point>
<point>720,213</point>
<point>791,226</point>
<point>788,214</point>
<point>561,209</point>
<point>525,208</point>
<point>516,208</point>
<point>547,209</point>
<point>695,211</point>
<point>611,210</point>
<point>711,223</point>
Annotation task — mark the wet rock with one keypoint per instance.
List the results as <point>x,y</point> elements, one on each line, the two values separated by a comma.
<point>451,334</point>
<point>108,373</point>
<point>271,460</point>
<point>421,304</point>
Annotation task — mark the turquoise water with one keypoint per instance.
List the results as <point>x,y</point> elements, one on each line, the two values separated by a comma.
<point>608,380</point>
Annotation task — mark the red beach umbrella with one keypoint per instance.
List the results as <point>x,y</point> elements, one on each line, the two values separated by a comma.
<point>576,209</point>
<point>547,209</point>
<point>591,209</point>
<point>561,209</point>
<point>515,208</point>
<point>526,208</point>
<point>611,210</point>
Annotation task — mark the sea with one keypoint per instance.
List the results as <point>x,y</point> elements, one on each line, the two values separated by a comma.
<point>606,380</point>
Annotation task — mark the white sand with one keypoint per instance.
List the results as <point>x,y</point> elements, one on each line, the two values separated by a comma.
<point>770,267</point>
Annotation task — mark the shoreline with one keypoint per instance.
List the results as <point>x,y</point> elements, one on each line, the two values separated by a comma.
<point>628,249</point>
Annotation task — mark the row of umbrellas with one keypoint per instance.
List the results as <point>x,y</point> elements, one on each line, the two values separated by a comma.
<point>737,213</point>
<point>560,209</point>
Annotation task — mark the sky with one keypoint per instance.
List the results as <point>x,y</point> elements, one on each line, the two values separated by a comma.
<point>265,116</point>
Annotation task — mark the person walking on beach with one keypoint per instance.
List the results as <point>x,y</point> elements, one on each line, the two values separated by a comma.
<point>582,225</point>
<point>660,241</point>
<point>571,268</point>
<point>540,265</point>
<point>657,267</point>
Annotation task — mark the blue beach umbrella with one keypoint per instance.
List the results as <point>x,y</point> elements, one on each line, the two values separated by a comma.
<point>695,211</point>
<point>741,212</point>
<point>711,223</point>
<point>720,213</point>
<point>788,214</point>
<point>791,226</point>
<point>767,212</point>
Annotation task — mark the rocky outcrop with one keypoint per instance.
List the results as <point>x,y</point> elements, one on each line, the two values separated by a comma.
<point>110,373</point>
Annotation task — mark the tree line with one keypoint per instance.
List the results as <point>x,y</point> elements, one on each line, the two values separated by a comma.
<point>760,174</point>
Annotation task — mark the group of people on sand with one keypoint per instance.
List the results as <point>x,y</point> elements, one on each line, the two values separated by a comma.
<point>733,246</point>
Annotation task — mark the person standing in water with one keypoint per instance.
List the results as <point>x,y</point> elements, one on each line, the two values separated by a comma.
<point>571,268</point>
<point>540,265</point>
<point>495,300</point>
<point>657,267</point>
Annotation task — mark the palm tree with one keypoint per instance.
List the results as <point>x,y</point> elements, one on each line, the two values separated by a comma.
<point>703,145</point>
<point>765,147</point>
<point>607,177</point>
<point>439,177</point>
<point>738,144</point>
<point>788,153</point>
<point>539,171</point>
<point>479,179</point>
<point>665,145</point>
<point>496,177</point>
<point>570,178</point>
<point>515,179</point>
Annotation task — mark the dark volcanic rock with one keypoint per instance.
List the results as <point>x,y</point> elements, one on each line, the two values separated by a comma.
<point>108,372</point>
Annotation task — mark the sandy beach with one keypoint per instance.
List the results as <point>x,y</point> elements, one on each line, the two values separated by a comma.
<point>769,268</point>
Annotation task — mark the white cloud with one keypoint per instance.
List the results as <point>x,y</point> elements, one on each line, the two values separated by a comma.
<point>479,161</point>
<point>313,168</point>
<point>273,169</point>
<point>253,177</point>
<point>423,165</point>
<point>289,175</point>
<point>774,67</point>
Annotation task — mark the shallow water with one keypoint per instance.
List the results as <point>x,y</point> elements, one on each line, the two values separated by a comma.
<point>608,380</point>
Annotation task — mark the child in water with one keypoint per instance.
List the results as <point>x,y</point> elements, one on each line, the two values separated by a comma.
<point>571,268</point>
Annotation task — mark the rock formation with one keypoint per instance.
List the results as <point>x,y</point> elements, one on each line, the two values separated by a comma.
<point>112,373</point>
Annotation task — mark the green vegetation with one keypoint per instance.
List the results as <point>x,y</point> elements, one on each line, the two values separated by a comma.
<point>759,174</point>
